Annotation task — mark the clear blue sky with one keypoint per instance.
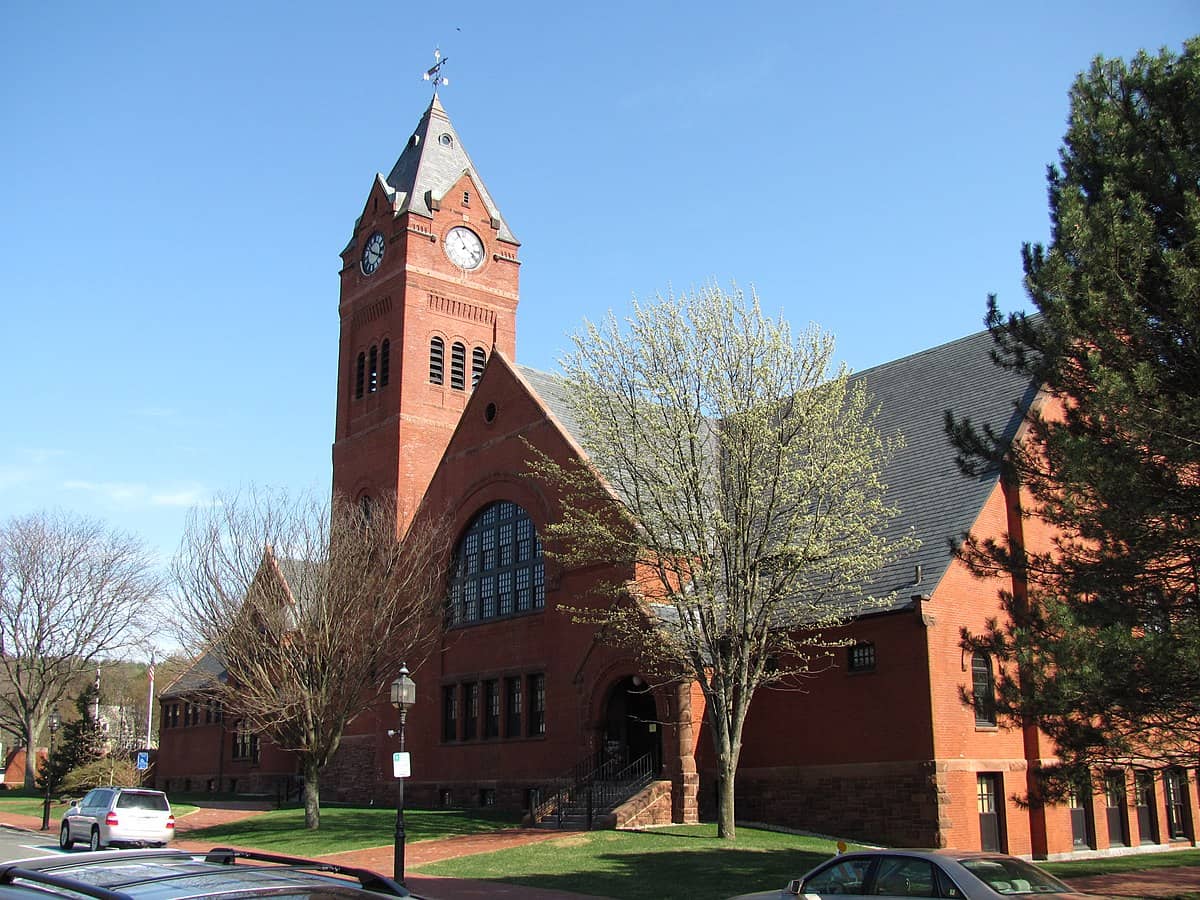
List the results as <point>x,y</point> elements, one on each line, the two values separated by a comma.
<point>178,180</point>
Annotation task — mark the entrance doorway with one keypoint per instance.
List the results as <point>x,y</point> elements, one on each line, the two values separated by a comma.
<point>631,726</point>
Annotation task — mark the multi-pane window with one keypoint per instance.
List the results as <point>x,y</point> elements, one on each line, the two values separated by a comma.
<point>360,372</point>
<point>1175,787</point>
<point>437,360</point>
<point>245,743</point>
<point>491,709</point>
<point>478,361</point>
<point>470,710</point>
<point>862,657</point>
<point>458,366</point>
<point>450,713</point>
<point>498,568</point>
<point>983,684</point>
<point>512,689</point>
<point>537,704</point>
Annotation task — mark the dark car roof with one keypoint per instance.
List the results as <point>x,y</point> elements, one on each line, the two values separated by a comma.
<point>174,874</point>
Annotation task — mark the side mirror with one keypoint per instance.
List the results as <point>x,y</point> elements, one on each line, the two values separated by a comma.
<point>793,887</point>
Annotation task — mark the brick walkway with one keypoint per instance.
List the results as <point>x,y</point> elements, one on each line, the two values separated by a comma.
<point>1147,884</point>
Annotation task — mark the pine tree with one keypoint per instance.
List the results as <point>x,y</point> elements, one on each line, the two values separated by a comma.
<point>82,742</point>
<point>1103,652</point>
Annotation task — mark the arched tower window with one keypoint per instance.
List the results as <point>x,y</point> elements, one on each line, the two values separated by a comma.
<point>498,569</point>
<point>478,361</point>
<point>437,363</point>
<point>373,367</point>
<point>385,362</point>
<point>359,373</point>
<point>983,684</point>
<point>458,366</point>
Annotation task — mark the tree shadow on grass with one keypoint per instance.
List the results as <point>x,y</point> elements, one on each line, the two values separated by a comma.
<point>697,875</point>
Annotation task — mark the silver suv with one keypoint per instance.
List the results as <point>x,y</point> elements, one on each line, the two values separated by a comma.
<point>109,816</point>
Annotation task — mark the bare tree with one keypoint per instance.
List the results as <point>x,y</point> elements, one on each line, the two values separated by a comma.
<point>310,607</point>
<point>72,591</point>
<point>739,479</point>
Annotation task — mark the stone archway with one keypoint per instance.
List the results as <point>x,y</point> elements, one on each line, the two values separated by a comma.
<point>632,726</point>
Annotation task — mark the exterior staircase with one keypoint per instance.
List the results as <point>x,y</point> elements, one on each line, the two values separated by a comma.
<point>585,797</point>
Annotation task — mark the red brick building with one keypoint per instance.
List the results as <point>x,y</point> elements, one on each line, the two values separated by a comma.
<point>517,699</point>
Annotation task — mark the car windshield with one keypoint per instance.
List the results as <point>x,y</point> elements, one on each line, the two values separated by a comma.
<point>140,800</point>
<point>1008,875</point>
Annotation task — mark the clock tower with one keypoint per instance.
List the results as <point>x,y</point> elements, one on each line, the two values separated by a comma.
<point>428,290</point>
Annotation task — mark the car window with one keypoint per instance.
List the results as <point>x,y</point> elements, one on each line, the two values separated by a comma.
<point>1009,875</point>
<point>847,876</point>
<point>89,799</point>
<point>140,800</point>
<point>946,884</point>
<point>902,876</point>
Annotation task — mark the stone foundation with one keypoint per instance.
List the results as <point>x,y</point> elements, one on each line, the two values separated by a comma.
<point>893,803</point>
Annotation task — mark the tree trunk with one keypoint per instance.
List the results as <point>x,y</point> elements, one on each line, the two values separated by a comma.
<point>312,795</point>
<point>726,796</point>
<point>30,757</point>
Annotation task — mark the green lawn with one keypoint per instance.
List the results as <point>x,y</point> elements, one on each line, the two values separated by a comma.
<point>1104,865</point>
<point>29,805</point>
<point>350,828</point>
<point>682,861</point>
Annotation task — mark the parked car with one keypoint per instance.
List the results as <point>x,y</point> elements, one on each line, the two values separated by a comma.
<point>109,816</point>
<point>178,875</point>
<point>922,873</point>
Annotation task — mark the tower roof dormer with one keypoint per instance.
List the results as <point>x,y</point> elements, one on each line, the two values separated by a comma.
<point>433,161</point>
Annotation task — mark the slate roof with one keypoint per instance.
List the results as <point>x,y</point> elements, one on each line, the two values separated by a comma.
<point>434,159</point>
<point>936,501</point>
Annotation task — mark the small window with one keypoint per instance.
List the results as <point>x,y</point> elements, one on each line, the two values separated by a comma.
<point>491,708</point>
<point>487,797</point>
<point>862,657</point>
<point>373,370</point>
<point>450,713</point>
<point>385,362</point>
<point>437,352</point>
<point>445,798</point>
<point>470,710</point>
<point>537,705</point>
<point>458,367</point>
<point>984,689</point>
<point>360,371</point>
<point>466,198</point>
<point>512,687</point>
<point>478,361</point>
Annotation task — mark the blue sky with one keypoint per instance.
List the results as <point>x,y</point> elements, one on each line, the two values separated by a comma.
<point>178,180</point>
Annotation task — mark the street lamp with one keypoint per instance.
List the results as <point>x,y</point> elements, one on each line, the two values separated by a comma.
<point>55,721</point>
<point>404,695</point>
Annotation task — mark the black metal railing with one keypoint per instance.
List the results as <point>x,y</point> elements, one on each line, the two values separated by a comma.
<point>597,784</point>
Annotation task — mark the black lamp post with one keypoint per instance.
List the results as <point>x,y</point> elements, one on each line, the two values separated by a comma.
<point>55,721</point>
<point>404,695</point>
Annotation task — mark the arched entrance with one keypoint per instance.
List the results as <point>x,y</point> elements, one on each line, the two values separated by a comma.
<point>631,723</point>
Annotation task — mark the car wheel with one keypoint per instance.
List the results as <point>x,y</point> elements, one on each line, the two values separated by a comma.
<point>94,843</point>
<point>64,837</point>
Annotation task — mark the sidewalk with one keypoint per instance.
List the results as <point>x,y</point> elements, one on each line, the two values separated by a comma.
<point>1150,883</point>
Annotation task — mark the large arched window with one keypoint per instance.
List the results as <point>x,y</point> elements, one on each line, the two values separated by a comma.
<point>983,683</point>
<point>498,569</point>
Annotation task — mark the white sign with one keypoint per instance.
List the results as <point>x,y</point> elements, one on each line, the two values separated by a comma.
<point>401,768</point>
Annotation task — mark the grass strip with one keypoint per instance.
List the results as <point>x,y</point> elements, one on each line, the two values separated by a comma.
<point>681,861</point>
<point>350,828</point>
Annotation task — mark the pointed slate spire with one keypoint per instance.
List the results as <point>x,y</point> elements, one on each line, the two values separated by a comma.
<point>433,161</point>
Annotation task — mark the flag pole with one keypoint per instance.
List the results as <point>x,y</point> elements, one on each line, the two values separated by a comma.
<point>150,704</point>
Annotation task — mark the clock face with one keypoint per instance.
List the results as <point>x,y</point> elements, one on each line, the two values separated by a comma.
<point>464,248</point>
<point>372,254</point>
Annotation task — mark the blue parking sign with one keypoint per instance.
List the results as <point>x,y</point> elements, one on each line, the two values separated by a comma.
<point>143,761</point>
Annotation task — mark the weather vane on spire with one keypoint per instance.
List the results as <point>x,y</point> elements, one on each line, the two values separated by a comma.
<point>434,74</point>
